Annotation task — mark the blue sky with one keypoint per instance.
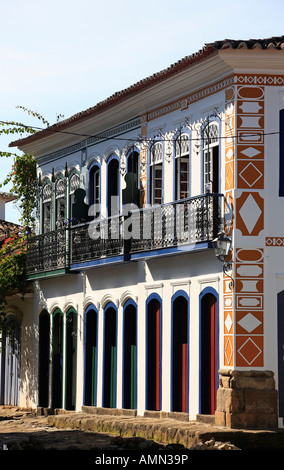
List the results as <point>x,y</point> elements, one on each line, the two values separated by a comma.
<point>63,56</point>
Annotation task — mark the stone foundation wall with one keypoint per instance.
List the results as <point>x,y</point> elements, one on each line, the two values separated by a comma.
<point>246,400</point>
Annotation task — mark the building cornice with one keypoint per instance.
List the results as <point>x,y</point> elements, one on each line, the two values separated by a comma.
<point>210,65</point>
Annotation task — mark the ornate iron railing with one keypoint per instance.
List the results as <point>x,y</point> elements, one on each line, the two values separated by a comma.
<point>47,252</point>
<point>185,222</point>
<point>188,221</point>
<point>99,239</point>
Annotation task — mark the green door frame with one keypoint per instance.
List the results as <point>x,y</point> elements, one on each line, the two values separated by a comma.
<point>70,362</point>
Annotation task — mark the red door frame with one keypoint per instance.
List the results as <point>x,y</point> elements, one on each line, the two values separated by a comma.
<point>154,320</point>
<point>180,338</point>
<point>208,352</point>
<point>158,358</point>
<point>213,354</point>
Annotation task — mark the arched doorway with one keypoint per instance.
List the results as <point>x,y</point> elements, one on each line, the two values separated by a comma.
<point>208,352</point>
<point>57,359</point>
<point>91,330</point>
<point>10,362</point>
<point>129,355</point>
<point>71,359</point>
<point>109,366</point>
<point>44,351</point>
<point>180,362</point>
<point>153,353</point>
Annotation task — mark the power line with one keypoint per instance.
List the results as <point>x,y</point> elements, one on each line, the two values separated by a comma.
<point>156,138</point>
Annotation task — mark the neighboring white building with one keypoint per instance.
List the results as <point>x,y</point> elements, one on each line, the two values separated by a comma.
<point>153,323</point>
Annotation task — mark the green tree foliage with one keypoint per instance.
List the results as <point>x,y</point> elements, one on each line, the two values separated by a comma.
<point>23,186</point>
<point>23,171</point>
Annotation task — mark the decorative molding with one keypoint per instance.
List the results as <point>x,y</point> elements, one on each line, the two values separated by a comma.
<point>274,241</point>
<point>259,79</point>
<point>81,146</point>
<point>196,96</point>
<point>90,301</point>
<point>155,285</point>
<point>127,295</point>
<point>70,304</point>
<point>109,298</point>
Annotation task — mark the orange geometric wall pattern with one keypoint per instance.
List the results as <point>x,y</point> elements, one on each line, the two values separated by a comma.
<point>249,307</point>
<point>249,266</point>
<point>229,221</point>
<point>250,213</point>
<point>143,163</point>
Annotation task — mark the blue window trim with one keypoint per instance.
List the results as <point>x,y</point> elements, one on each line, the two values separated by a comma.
<point>113,156</point>
<point>135,149</point>
<point>126,304</point>
<point>149,175</point>
<point>109,305</point>
<point>153,296</point>
<point>281,153</point>
<point>90,174</point>
<point>180,293</point>
<point>182,131</point>
<point>87,310</point>
<point>207,290</point>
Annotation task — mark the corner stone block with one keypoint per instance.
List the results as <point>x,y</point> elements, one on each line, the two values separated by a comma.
<point>247,400</point>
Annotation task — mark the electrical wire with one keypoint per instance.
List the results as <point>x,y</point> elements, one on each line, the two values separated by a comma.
<point>158,138</point>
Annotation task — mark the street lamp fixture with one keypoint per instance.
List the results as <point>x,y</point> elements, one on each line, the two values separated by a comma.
<point>222,246</point>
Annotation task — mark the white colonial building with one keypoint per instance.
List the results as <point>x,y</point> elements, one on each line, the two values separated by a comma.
<point>131,307</point>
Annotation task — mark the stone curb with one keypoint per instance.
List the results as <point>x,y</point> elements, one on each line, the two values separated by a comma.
<point>168,431</point>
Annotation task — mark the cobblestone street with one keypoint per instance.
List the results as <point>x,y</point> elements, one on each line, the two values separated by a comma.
<point>26,430</point>
<point>23,430</point>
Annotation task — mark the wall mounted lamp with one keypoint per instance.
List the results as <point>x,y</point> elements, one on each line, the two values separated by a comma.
<point>222,246</point>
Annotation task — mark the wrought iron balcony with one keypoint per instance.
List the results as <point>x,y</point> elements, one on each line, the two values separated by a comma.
<point>95,240</point>
<point>47,252</point>
<point>185,222</point>
<point>180,224</point>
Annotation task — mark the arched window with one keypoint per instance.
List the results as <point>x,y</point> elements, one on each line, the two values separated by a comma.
<point>74,183</point>
<point>211,158</point>
<point>46,207</point>
<point>94,185</point>
<point>156,173</point>
<point>133,163</point>
<point>130,193</point>
<point>113,187</point>
<point>182,167</point>
<point>60,202</point>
